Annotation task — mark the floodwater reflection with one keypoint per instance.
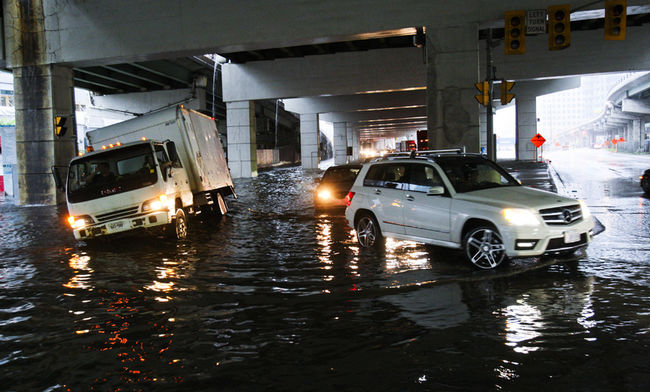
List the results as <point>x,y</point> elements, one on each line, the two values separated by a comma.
<point>275,296</point>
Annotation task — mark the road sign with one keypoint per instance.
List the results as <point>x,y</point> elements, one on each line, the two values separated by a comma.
<point>621,139</point>
<point>614,141</point>
<point>535,22</point>
<point>538,140</point>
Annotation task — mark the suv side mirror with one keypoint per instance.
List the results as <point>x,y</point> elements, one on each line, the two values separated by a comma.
<point>435,190</point>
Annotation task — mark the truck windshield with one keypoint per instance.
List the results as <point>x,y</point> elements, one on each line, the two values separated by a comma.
<point>111,172</point>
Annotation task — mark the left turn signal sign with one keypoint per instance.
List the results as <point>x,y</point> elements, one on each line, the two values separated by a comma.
<point>60,125</point>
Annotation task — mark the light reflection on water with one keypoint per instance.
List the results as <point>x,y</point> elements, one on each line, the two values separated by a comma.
<point>277,297</point>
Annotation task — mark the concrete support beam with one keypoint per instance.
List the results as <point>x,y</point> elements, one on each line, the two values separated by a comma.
<point>309,141</point>
<point>340,143</point>
<point>242,145</point>
<point>357,102</point>
<point>336,74</point>
<point>388,115</point>
<point>637,106</point>
<point>140,103</point>
<point>452,69</point>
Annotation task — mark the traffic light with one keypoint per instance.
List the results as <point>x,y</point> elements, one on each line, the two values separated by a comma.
<point>60,125</point>
<point>505,87</point>
<point>559,26</point>
<point>484,97</point>
<point>515,32</point>
<point>615,19</point>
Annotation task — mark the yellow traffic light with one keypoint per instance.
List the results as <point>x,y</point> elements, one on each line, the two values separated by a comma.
<point>484,97</point>
<point>505,87</point>
<point>515,32</point>
<point>559,26</point>
<point>60,127</point>
<point>615,19</point>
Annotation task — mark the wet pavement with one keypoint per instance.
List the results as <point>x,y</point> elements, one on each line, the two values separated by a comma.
<point>278,297</point>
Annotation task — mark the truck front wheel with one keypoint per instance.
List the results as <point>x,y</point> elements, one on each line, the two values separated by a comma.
<point>179,225</point>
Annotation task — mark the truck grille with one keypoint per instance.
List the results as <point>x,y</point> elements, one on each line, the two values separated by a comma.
<point>118,214</point>
<point>562,215</point>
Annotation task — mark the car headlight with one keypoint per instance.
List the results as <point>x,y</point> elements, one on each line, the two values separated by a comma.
<point>79,222</point>
<point>159,203</point>
<point>585,210</point>
<point>324,194</point>
<point>520,217</point>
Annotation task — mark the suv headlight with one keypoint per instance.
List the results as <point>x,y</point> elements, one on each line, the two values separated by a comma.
<point>81,221</point>
<point>585,210</point>
<point>159,203</point>
<point>520,217</point>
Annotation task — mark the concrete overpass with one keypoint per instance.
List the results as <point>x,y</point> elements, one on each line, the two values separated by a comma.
<point>625,116</point>
<point>397,61</point>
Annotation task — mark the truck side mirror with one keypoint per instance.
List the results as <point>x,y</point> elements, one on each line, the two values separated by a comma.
<point>57,172</point>
<point>173,154</point>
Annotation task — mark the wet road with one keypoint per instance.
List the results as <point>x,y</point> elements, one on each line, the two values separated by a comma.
<point>277,297</point>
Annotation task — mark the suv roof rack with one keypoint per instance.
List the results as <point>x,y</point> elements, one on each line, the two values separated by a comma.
<point>422,154</point>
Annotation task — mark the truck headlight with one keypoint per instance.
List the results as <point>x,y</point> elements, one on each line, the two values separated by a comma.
<point>585,210</point>
<point>520,217</point>
<point>79,222</point>
<point>159,203</point>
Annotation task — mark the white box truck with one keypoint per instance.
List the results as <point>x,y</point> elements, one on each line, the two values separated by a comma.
<point>148,173</point>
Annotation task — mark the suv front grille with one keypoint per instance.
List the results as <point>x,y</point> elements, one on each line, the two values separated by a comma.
<point>562,215</point>
<point>118,214</point>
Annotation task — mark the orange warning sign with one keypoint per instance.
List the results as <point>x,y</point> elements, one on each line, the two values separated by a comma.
<point>538,140</point>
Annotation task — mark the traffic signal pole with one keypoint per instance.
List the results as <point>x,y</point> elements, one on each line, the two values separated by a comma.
<point>491,145</point>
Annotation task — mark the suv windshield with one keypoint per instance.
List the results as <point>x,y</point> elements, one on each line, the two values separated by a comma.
<point>111,172</point>
<point>468,174</point>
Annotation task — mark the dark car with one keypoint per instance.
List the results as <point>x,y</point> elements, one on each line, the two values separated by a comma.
<point>333,188</point>
<point>645,181</point>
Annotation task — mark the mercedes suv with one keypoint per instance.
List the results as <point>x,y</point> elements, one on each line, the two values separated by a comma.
<point>464,201</point>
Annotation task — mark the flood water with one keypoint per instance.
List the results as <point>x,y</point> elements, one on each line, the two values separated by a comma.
<point>277,297</point>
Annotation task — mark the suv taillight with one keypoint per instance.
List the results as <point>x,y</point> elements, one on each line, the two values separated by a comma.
<point>349,197</point>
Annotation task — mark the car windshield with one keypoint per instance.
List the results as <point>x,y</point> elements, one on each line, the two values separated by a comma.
<point>468,174</point>
<point>341,174</point>
<point>111,172</point>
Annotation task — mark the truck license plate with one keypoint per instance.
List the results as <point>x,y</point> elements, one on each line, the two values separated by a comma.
<point>115,225</point>
<point>571,237</point>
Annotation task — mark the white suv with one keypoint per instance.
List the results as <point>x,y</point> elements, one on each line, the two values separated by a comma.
<point>463,201</point>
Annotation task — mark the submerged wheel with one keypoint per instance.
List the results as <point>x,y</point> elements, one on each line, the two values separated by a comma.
<point>223,207</point>
<point>368,231</point>
<point>180,224</point>
<point>484,247</point>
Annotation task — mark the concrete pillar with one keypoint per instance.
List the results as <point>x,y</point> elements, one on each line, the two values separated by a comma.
<point>356,145</point>
<point>41,92</point>
<point>526,125</point>
<point>309,141</point>
<point>637,136</point>
<point>452,55</point>
<point>242,145</point>
<point>340,143</point>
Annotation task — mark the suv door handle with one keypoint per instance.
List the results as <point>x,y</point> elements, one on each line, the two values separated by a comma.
<point>409,197</point>
<point>377,191</point>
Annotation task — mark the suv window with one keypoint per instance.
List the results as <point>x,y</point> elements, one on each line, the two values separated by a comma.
<point>386,176</point>
<point>472,174</point>
<point>422,178</point>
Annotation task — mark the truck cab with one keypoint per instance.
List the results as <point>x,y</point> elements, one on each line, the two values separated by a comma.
<point>122,187</point>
